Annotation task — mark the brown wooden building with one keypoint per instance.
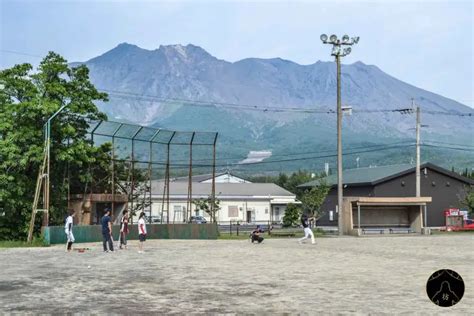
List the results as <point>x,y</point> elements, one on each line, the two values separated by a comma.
<point>446,188</point>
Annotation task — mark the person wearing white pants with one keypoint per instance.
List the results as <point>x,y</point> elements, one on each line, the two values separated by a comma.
<point>307,231</point>
<point>68,230</point>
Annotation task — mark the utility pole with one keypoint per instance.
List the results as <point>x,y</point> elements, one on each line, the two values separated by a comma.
<point>338,52</point>
<point>418,125</point>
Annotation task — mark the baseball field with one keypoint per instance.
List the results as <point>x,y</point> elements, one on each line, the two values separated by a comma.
<point>338,275</point>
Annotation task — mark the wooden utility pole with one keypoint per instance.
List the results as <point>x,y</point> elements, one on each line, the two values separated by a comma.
<point>339,51</point>
<point>339,147</point>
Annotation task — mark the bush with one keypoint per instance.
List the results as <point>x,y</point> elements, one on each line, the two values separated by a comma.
<point>292,216</point>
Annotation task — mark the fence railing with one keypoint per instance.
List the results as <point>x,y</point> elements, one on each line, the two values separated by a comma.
<point>239,227</point>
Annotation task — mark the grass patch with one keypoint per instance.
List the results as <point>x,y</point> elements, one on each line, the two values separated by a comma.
<point>37,242</point>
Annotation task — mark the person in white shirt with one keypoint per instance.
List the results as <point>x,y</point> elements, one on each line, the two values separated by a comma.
<point>141,231</point>
<point>68,230</point>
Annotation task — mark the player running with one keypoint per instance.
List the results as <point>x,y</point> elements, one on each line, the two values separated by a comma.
<point>307,231</point>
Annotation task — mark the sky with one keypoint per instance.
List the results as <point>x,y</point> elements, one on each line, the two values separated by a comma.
<point>426,43</point>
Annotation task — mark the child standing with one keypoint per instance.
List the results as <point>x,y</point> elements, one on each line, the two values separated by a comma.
<point>68,230</point>
<point>124,229</point>
<point>141,231</point>
<point>107,231</point>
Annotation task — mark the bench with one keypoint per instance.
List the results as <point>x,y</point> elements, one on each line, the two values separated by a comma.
<point>373,230</point>
<point>400,230</point>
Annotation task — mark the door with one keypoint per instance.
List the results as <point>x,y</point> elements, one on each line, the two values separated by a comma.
<point>249,216</point>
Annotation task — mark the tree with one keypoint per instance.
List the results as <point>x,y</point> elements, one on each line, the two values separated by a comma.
<point>27,100</point>
<point>468,201</point>
<point>292,215</point>
<point>206,206</point>
<point>313,199</point>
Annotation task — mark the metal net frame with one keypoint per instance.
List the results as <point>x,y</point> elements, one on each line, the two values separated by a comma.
<point>180,143</point>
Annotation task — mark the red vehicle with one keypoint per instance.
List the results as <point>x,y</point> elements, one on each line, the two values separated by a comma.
<point>457,220</point>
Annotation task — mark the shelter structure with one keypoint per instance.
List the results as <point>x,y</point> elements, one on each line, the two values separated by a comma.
<point>446,188</point>
<point>365,215</point>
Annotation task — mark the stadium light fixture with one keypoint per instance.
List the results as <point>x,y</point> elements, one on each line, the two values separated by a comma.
<point>338,51</point>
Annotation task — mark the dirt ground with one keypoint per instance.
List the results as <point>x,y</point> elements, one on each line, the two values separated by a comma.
<point>347,275</point>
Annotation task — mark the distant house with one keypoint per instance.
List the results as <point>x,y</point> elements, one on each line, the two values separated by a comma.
<point>246,202</point>
<point>223,177</point>
<point>445,187</point>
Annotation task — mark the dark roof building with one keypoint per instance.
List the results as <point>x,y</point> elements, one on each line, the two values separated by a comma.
<point>445,187</point>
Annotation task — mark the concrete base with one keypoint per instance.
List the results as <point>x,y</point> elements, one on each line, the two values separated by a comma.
<point>426,231</point>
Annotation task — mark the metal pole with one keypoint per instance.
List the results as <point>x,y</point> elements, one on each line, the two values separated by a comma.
<point>46,187</point>
<point>418,177</point>
<point>358,215</point>
<point>149,174</point>
<point>339,146</point>
<point>214,177</point>
<point>190,185</point>
<point>133,166</point>
<point>48,144</point>
<point>168,181</point>
<point>426,219</point>
<point>151,170</point>
<point>113,167</point>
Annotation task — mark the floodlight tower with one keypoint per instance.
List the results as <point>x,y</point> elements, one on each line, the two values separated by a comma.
<point>339,50</point>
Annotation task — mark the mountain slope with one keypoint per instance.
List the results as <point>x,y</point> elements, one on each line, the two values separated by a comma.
<point>190,73</point>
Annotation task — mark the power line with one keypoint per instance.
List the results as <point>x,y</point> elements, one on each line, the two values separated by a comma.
<point>447,143</point>
<point>201,103</point>
<point>273,109</point>
<point>308,153</point>
<point>275,161</point>
<point>19,53</point>
<point>448,147</point>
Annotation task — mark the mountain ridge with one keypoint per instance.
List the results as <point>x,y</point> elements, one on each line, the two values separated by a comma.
<point>154,77</point>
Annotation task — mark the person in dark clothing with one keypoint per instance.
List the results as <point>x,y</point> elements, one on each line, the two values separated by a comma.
<point>107,231</point>
<point>308,233</point>
<point>124,229</point>
<point>255,236</point>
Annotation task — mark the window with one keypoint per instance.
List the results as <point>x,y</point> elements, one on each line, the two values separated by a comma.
<point>177,208</point>
<point>233,211</point>
<point>266,210</point>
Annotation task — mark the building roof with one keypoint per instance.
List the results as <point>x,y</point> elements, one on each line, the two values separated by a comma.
<point>223,189</point>
<point>376,175</point>
<point>201,177</point>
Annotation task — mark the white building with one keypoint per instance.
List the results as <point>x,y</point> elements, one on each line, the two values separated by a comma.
<point>224,177</point>
<point>246,202</point>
